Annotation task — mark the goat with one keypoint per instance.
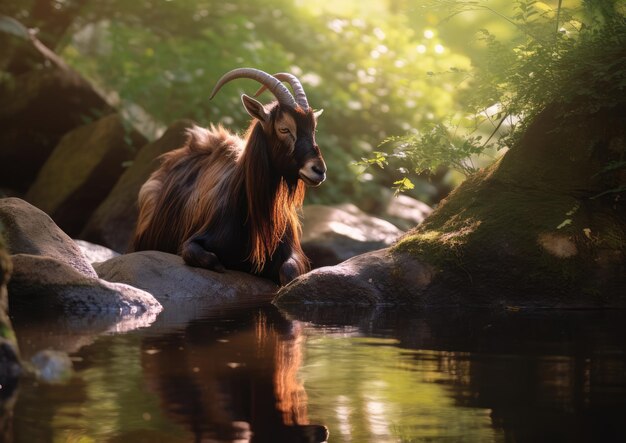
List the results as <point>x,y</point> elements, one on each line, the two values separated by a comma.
<point>222,201</point>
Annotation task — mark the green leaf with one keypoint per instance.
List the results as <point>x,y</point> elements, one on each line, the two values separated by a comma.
<point>404,184</point>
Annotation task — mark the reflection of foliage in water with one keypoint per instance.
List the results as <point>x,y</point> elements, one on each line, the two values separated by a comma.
<point>370,390</point>
<point>108,398</point>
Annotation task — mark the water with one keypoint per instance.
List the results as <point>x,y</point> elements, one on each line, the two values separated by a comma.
<point>383,375</point>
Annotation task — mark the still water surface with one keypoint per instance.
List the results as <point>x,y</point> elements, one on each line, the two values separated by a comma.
<point>362,375</point>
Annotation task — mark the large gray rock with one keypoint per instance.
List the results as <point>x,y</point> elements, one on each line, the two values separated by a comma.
<point>82,169</point>
<point>378,277</point>
<point>50,273</point>
<point>171,281</point>
<point>42,100</point>
<point>45,281</point>
<point>113,222</point>
<point>29,230</point>
<point>332,234</point>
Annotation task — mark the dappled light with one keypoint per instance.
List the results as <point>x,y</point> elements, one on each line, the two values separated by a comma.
<point>396,377</point>
<point>296,221</point>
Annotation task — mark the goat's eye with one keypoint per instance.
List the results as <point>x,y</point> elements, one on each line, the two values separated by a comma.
<point>284,130</point>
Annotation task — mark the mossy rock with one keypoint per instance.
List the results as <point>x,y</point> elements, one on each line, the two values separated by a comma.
<point>535,224</point>
<point>42,99</point>
<point>113,222</point>
<point>9,357</point>
<point>82,169</point>
<point>543,227</point>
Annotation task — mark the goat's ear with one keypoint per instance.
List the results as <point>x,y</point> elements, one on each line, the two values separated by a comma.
<point>255,109</point>
<point>318,113</point>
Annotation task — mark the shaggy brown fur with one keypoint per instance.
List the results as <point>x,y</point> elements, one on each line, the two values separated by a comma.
<point>232,191</point>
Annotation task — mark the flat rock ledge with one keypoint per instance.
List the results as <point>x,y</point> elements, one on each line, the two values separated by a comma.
<point>375,278</point>
<point>170,280</point>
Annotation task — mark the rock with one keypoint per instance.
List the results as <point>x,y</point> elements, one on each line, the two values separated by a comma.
<point>171,281</point>
<point>82,169</point>
<point>18,50</point>
<point>113,222</point>
<point>10,368</point>
<point>29,230</point>
<point>39,105</point>
<point>494,243</point>
<point>95,253</point>
<point>6,192</point>
<point>406,212</point>
<point>49,282</point>
<point>52,366</point>
<point>50,270</point>
<point>332,234</point>
<point>378,277</point>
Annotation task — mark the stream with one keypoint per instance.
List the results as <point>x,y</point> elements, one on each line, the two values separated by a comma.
<point>255,374</point>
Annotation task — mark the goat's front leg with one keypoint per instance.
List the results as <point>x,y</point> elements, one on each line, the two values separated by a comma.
<point>195,253</point>
<point>288,271</point>
<point>293,267</point>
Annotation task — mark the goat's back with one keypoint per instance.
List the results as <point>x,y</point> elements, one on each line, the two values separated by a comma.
<point>190,187</point>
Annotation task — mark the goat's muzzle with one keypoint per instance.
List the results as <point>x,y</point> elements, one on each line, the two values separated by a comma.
<point>313,173</point>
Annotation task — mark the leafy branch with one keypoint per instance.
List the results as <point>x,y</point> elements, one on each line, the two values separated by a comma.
<point>556,59</point>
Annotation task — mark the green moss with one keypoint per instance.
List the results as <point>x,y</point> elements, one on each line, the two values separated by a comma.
<point>6,332</point>
<point>487,233</point>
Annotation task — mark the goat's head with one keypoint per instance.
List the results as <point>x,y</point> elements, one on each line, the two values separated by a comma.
<point>288,125</point>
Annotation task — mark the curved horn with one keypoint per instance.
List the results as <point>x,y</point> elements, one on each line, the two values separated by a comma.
<point>279,90</point>
<point>298,90</point>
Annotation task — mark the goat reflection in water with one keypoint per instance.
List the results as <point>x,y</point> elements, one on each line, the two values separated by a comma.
<point>233,381</point>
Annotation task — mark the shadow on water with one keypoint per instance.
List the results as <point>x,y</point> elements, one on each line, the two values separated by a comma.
<point>252,373</point>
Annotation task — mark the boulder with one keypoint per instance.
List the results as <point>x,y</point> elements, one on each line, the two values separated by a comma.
<point>51,272</point>
<point>332,234</point>
<point>171,281</point>
<point>542,227</point>
<point>113,222</point>
<point>375,278</point>
<point>406,212</point>
<point>18,48</point>
<point>49,282</point>
<point>42,99</point>
<point>29,230</point>
<point>82,169</point>
<point>95,253</point>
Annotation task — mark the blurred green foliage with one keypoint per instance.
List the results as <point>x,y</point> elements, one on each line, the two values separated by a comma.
<point>430,69</point>
<point>575,56</point>
<point>368,68</point>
